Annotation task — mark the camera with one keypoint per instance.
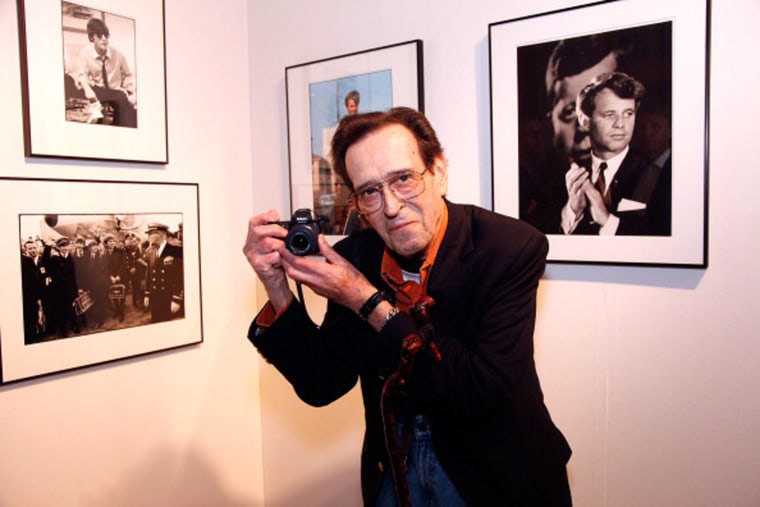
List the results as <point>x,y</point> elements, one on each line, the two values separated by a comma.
<point>303,228</point>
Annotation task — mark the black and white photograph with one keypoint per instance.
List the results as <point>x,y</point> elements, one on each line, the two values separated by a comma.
<point>592,143</point>
<point>83,274</point>
<point>634,65</point>
<point>99,65</point>
<point>319,94</point>
<point>93,79</point>
<point>100,271</point>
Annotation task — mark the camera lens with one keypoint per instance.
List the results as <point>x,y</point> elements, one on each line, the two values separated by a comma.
<point>299,243</point>
<point>302,240</point>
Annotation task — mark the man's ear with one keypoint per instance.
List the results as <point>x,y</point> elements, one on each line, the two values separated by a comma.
<point>440,171</point>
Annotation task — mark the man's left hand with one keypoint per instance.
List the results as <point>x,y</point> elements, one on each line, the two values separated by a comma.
<point>599,212</point>
<point>337,279</point>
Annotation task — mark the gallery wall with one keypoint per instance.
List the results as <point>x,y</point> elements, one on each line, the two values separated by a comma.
<point>650,372</point>
<point>173,428</point>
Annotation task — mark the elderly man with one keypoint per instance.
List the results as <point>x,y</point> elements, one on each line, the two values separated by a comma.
<point>472,424</point>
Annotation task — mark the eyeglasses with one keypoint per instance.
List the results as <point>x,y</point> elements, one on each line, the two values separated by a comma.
<point>403,185</point>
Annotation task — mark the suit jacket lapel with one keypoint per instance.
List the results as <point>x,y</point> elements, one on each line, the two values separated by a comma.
<point>449,270</point>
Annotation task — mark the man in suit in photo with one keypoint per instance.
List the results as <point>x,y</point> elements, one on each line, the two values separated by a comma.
<point>620,192</point>
<point>164,282</point>
<point>105,76</point>
<point>473,423</point>
<point>64,283</point>
<point>32,287</point>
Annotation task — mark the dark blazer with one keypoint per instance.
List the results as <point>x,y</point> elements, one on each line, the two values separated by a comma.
<point>491,430</point>
<point>164,282</point>
<point>639,181</point>
<point>32,287</point>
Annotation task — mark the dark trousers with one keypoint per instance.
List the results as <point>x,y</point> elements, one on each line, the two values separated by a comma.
<point>124,113</point>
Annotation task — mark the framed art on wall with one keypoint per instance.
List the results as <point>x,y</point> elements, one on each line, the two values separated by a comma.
<point>94,79</point>
<point>600,130</point>
<point>319,94</point>
<point>95,272</point>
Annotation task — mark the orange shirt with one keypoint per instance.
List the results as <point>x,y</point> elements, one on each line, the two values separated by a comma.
<point>409,291</point>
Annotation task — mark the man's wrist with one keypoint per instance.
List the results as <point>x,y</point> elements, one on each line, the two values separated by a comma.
<point>280,297</point>
<point>370,304</point>
<point>382,314</point>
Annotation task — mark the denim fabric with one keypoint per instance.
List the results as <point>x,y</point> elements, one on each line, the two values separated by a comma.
<point>429,486</point>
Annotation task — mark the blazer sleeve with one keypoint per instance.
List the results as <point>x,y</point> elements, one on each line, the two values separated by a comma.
<point>311,359</point>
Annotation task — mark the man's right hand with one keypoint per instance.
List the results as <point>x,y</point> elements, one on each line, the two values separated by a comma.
<point>575,180</point>
<point>263,248</point>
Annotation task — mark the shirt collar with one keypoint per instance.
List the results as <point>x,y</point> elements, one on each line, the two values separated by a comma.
<point>612,164</point>
<point>407,291</point>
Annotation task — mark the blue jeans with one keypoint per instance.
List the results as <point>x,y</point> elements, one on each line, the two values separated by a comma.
<point>429,486</point>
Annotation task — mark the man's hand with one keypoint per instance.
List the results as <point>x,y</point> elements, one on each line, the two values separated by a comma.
<point>264,249</point>
<point>599,212</point>
<point>337,279</point>
<point>575,180</point>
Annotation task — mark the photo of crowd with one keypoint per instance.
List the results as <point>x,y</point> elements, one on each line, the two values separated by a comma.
<point>84,274</point>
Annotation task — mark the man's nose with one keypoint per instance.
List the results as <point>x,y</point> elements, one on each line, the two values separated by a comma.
<point>391,203</point>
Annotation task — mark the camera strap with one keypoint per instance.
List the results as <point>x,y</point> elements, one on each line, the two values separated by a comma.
<point>299,290</point>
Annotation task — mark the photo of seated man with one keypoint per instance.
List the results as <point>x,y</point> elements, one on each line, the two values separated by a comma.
<point>99,81</point>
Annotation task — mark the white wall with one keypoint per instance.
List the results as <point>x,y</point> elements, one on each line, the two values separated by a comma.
<point>175,428</point>
<point>651,373</point>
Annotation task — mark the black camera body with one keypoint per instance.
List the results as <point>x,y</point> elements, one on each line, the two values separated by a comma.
<point>303,229</point>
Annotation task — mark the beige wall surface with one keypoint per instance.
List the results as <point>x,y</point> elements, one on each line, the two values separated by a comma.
<point>179,427</point>
<point>650,372</point>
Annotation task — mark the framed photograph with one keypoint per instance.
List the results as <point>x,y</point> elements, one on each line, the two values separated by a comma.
<point>319,94</point>
<point>95,272</point>
<point>94,79</point>
<point>599,130</point>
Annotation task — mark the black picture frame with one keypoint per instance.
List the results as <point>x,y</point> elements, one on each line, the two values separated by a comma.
<point>104,320</point>
<point>384,77</point>
<point>664,45</point>
<point>69,110</point>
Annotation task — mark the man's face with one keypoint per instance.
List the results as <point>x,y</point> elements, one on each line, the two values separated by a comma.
<point>101,43</point>
<point>155,238</point>
<point>31,250</point>
<point>352,107</point>
<point>611,124</point>
<point>653,133</point>
<point>406,226</point>
<point>568,140</point>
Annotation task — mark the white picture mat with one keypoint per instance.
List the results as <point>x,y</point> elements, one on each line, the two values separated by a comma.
<point>50,133</point>
<point>401,59</point>
<point>686,245</point>
<point>21,361</point>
